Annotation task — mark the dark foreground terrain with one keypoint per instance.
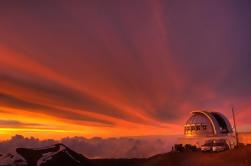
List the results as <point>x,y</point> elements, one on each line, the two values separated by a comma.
<point>61,155</point>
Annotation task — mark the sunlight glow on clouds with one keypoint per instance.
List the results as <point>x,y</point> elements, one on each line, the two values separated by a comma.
<point>120,68</point>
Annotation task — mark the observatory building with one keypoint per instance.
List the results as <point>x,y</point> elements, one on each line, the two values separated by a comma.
<point>202,126</point>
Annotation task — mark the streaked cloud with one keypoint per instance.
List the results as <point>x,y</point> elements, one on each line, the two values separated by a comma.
<point>122,68</point>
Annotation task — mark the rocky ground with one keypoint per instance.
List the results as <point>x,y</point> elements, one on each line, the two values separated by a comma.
<point>61,155</point>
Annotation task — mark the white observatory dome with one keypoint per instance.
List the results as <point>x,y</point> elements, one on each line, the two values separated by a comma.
<point>203,123</point>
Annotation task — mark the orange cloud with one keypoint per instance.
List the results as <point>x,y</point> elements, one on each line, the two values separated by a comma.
<point>120,68</point>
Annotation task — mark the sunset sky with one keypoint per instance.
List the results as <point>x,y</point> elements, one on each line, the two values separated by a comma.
<point>121,67</point>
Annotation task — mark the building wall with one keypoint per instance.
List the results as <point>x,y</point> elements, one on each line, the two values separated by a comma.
<point>244,137</point>
<point>199,141</point>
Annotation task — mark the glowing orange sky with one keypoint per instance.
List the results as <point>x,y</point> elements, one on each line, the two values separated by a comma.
<point>119,68</point>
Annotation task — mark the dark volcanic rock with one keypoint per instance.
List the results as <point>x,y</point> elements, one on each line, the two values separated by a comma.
<point>56,155</point>
<point>236,157</point>
<point>11,160</point>
<point>61,155</point>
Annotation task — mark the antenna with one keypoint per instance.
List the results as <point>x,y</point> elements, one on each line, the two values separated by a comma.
<point>236,134</point>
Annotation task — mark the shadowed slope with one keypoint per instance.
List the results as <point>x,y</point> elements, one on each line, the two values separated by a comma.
<point>237,157</point>
<point>57,154</point>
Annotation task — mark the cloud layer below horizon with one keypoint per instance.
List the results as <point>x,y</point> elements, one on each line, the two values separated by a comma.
<point>97,147</point>
<point>121,68</point>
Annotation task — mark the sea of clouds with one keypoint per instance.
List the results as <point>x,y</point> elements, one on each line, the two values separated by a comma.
<point>124,147</point>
